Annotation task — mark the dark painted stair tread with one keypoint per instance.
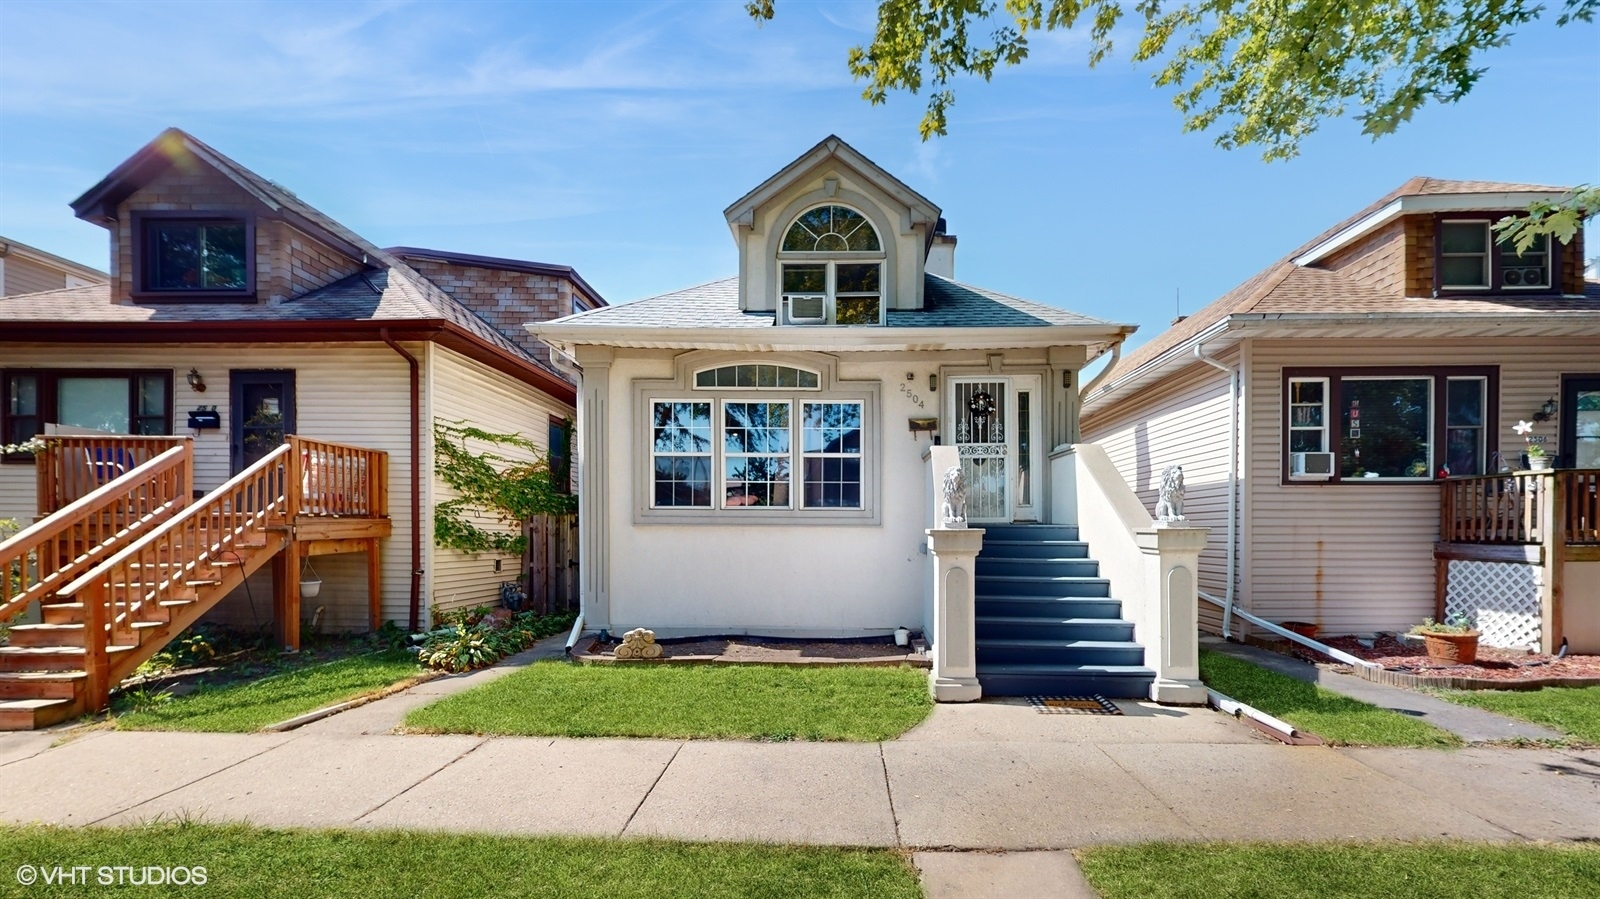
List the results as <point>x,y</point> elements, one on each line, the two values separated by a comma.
<point>1014,643</point>
<point>1046,621</point>
<point>1032,669</point>
<point>1036,578</point>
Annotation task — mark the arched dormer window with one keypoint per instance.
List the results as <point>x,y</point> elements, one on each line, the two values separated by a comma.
<point>831,269</point>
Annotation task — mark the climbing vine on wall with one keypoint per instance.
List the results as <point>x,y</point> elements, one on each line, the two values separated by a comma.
<point>493,486</point>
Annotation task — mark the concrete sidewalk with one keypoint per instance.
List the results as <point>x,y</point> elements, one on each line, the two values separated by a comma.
<point>989,776</point>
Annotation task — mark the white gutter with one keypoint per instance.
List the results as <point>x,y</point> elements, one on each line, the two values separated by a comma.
<point>1281,631</point>
<point>1233,481</point>
<point>825,339</point>
<point>1224,703</point>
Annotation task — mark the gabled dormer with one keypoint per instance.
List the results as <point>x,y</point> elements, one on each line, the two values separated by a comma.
<point>188,224</point>
<point>833,239</point>
<point>1435,238</point>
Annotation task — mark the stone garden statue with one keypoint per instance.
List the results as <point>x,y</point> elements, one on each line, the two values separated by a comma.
<point>1169,506</point>
<point>955,498</point>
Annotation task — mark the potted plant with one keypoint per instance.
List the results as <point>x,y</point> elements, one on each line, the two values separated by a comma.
<point>1538,459</point>
<point>1455,641</point>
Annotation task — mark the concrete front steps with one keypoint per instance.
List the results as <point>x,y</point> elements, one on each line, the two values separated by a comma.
<point>1046,622</point>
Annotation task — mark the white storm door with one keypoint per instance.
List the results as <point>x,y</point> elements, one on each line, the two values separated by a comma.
<point>980,414</point>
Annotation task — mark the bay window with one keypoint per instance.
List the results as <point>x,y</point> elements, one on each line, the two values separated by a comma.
<point>1393,424</point>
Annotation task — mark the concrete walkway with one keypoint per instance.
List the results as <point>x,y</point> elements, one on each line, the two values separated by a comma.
<point>1470,724</point>
<point>989,776</point>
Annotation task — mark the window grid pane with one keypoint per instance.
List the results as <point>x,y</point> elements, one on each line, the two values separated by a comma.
<point>681,444</point>
<point>756,448</point>
<point>1308,416</point>
<point>831,452</point>
<point>1464,254</point>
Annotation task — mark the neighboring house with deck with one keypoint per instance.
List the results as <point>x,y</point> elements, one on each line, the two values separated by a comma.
<point>236,315</point>
<point>25,269</point>
<point>1327,410</point>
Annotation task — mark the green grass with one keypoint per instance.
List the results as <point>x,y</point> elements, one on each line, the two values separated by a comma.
<point>263,864</point>
<point>762,702</point>
<point>1572,710</point>
<point>1302,871</point>
<point>252,705</point>
<point>1335,718</point>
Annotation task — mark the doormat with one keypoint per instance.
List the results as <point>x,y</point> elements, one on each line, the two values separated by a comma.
<point>1073,705</point>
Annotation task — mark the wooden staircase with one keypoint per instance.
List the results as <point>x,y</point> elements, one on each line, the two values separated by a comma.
<point>123,570</point>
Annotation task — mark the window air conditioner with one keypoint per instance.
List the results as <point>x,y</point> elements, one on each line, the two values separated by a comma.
<point>1311,466</point>
<point>1532,276</point>
<point>806,309</point>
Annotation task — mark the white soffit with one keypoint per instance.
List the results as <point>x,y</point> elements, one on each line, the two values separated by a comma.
<point>1423,203</point>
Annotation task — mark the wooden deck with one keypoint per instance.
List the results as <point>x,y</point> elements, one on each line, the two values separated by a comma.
<point>123,559</point>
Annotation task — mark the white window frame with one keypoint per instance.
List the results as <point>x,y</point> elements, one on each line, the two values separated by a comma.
<point>679,388</point>
<point>859,457</point>
<point>719,442</point>
<point>1290,404</point>
<point>711,456</point>
<point>1431,441</point>
<point>1487,255</point>
<point>791,387</point>
<point>830,295</point>
<point>1492,268</point>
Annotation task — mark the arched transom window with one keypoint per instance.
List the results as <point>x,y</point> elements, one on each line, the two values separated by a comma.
<point>832,269</point>
<point>832,229</point>
<point>758,376</point>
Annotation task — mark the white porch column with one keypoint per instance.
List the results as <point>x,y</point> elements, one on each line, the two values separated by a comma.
<point>1170,630</point>
<point>594,477</point>
<point>955,654</point>
<point>953,629</point>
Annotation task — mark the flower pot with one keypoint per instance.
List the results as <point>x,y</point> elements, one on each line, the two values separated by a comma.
<point>1538,463</point>
<point>1461,649</point>
<point>310,589</point>
<point>1303,628</point>
<point>902,636</point>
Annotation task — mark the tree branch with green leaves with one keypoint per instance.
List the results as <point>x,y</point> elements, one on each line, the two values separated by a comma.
<point>1260,73</point>
<point>494,486</point>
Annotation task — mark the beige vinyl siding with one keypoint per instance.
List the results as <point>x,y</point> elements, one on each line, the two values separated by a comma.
<point>28,276</point>
<point>1357,558</point>
<point>464,390</point>
<point>1180,421</point>
<point>346,393</point>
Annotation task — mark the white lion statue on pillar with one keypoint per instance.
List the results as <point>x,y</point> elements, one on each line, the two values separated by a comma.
<point>955,498</point>
<point>1169,505</point>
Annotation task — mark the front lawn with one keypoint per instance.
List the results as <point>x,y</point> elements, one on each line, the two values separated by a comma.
<point>1335,718</point>
<point>759,702</point>
<point>251,705</point>
<point>1303,871</point>
<point>261,864</point>
<point>1573,710</point>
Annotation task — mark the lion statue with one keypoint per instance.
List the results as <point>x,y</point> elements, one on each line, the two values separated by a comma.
<point>955,498</point>
<point>1169,506</point>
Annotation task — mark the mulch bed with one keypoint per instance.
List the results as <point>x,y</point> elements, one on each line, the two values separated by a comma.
<point>756,651</point>
<point>1406,663</point>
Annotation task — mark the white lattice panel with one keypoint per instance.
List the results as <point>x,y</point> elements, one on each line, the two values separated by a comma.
<point>1501,599</point>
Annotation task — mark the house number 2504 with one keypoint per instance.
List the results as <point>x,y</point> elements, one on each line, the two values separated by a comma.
<point>917,400</point>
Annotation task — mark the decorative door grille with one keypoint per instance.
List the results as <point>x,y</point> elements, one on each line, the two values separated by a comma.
<point>981,429</point>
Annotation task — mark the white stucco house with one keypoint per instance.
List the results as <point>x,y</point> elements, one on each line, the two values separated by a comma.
<point>758,453</point>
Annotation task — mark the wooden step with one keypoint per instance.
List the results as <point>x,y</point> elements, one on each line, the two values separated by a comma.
<point>40,684</point>
<point>40,635</point>
<point>32,714</point>
<point>47,658</point>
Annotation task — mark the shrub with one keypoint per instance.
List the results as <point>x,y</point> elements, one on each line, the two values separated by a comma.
<point>478,638</point>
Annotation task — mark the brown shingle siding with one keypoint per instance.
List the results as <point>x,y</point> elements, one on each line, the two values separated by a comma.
<point>505,299</point>
<point>1419,255</point>
<point>1572,265</point>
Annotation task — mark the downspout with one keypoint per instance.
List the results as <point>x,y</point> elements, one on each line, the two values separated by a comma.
<point>1233,481</point>
<point>1116,354</point>
<point>416,478</point>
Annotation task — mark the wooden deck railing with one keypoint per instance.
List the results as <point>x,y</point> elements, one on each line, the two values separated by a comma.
<point>165,565</point>
<point>1580,498</point>
<point>62,546</point>
<point>70,468</point>
<point>1510,508</point>
<point>337,479</point>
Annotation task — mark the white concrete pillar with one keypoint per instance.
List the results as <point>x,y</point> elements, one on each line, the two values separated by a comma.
<point>955,654</point>
<point>1171,629</point>
<point>594,397</point>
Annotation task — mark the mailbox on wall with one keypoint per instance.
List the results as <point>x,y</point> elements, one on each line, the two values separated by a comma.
<point>205,417</point>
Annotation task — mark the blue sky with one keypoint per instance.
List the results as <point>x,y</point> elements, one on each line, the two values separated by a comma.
<point>609,136</point>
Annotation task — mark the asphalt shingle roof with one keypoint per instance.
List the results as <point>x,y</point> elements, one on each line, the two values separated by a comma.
<point>715,304</point>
